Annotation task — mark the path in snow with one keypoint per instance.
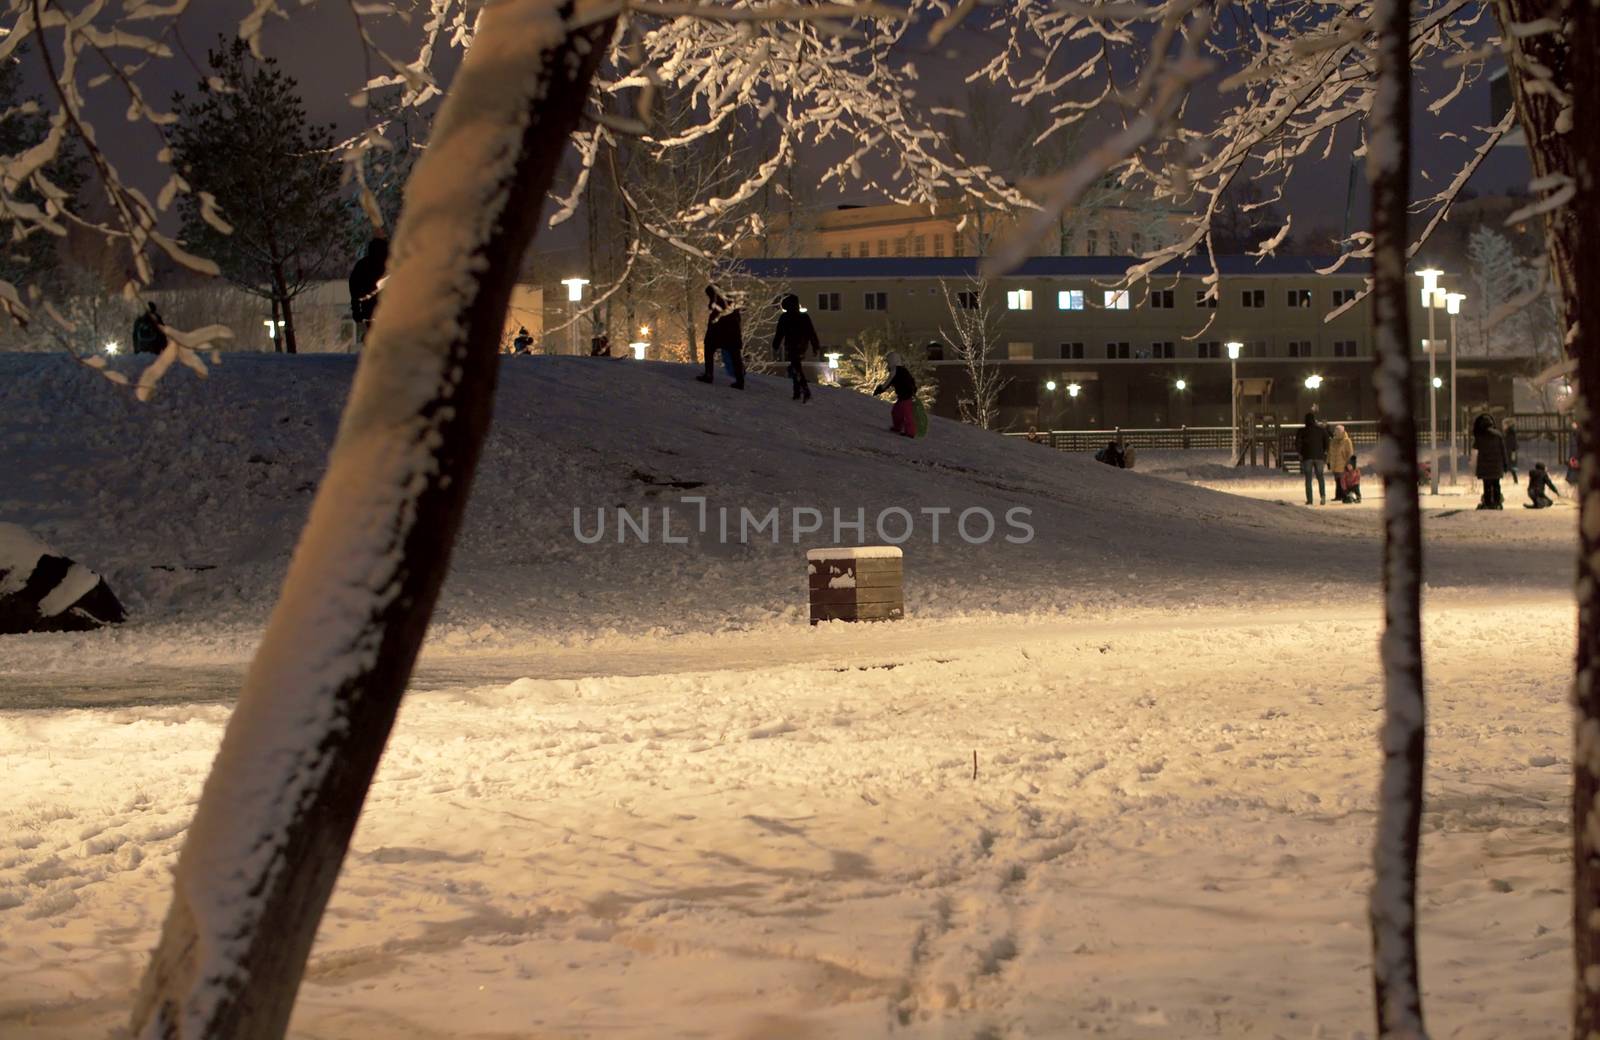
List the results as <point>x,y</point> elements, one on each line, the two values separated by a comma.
<point>1168,837</point>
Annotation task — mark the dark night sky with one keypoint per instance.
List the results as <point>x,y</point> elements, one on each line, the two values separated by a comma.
<point>320,48</point>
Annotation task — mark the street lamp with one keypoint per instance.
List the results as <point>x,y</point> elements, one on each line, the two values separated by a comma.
<point>1235,348</point>
<point>574,297</point>
<point>1313,382</point>
<point>1073,389</point>
<point>1452,307</point>
<point>112,346</point>
<point>1050,385</point>
<point>638,347</point>
<point>1182,384</point>
<point>1432,299</point>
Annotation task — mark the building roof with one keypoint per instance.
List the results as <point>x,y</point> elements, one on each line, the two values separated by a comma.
<point>1035,267</point>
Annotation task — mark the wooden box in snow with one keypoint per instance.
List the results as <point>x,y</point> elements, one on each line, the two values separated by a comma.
<point>860,584</point>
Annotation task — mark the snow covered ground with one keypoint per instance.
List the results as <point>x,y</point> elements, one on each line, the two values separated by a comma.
<point>634,794</point>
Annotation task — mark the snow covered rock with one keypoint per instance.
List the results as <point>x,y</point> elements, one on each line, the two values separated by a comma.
<point>43,591</point>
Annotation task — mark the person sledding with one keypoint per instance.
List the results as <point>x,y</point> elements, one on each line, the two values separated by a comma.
<point>903,413</point>
<point>1350,481</point>
<point>793,337</point>
<point>1538,483</point>
<point>725,333</point>
<point>1112,455</point>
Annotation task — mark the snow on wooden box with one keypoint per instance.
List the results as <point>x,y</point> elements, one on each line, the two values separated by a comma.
<point>855,584</point>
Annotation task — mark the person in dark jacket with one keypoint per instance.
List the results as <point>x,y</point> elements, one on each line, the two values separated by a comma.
<point>1538,481</point>
<point>1313,443</point>
<point>1491,466</point>
<point>523,344</point>
<point>793,337</point>
<point>724,332</point>
<point>1112,455</point>
<point>903,414</point>
<point>364,278</point>
<point>149,333</point>
<point>1510,436</point>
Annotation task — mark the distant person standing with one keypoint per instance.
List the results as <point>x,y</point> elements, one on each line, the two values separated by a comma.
<point>794,336</point>
<point>149,332</point>
<point>1341,449</point>
<point>725,333</point>
<point>365,277</point>
<point>523,344</point>
<point>600,346</point>
<point>1510,436</point>
<point>1491,465</point>
<point>1313,443</point>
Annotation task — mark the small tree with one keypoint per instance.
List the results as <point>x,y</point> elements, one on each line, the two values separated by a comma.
<point>245,148</point>
<point>866,366</point>
<point>973,335</point>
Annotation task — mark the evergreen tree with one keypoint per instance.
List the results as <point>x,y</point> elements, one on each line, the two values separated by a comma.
<point>275,179</point>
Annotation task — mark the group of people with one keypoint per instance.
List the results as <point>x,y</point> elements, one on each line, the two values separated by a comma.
<point>794,337</point>
<point>1325,451</point>
<point>1330,450</point>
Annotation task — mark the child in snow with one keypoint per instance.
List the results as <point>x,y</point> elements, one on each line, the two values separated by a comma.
<point>1350,482</point>
<point>1538,481</point>
<point>903,415</point>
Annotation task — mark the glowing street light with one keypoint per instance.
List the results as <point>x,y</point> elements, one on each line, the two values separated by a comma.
<point>1452,307</point>
<point>638,348</point>
<point>574,297</point>
<point>1073,389</point>
<point>1313,382</point>
<point>1430,282</point>
<point>1050,385</point>
<point>1235,348</point>
<point>1433,298</point>
<point>112,346</point>
<point>833,359</point>
<point>1437,383</point>
<point>1182,384</point>
<point>644,330</point>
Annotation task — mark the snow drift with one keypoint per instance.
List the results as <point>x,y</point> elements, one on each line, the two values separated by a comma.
<point>191,504</point>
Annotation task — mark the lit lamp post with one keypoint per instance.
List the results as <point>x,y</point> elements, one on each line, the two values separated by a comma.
<point>1313,382</point>
<point>833,367</point>
<point>112,346</point>
<point>1432,297</point>
<point>1234,350</point>
<point>574,297</point>
<point>638,347</point>
<point>1452,307</point>
<point>272,330</point>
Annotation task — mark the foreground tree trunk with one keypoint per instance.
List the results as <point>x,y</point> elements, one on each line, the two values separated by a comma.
<point>1583,316</point>
<point>275,818</point>
<point>1556,95</point>
<point>1393,913</point>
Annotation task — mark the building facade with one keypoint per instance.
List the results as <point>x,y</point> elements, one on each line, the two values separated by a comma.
<point>1148,355</point>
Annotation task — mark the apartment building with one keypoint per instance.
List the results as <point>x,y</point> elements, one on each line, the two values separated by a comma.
<point>1150,354</point>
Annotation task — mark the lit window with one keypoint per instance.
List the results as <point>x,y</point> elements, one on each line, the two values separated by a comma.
<point>1019,299</point>
<point>1116,299</point>
<point>1019,351</point>
<point>1069,300</point>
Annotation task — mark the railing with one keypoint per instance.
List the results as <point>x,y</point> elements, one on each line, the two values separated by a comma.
<point>1545,435</point>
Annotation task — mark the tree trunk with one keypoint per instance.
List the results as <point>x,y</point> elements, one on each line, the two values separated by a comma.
<point>290,345</point>
<point>276,815</point>
<point>272,333</point>
<point>1392,910</point>
<point>1543,79</point>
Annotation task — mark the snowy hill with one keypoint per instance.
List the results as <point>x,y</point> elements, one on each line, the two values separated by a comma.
<point>190,504</point>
